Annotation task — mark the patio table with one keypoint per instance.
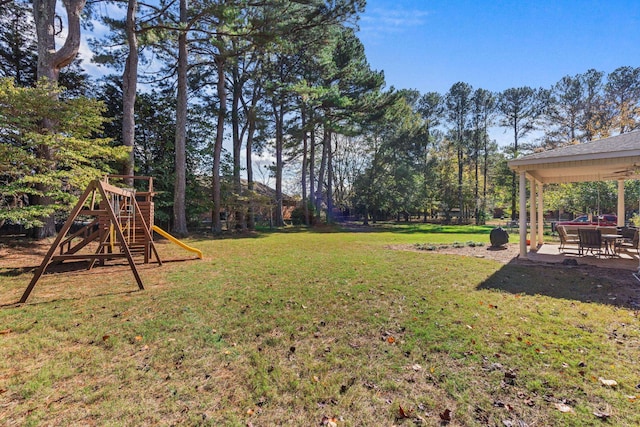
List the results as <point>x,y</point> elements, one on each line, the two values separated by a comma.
<point>610,245</point>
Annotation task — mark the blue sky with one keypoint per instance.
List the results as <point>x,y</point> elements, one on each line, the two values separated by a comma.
<point>431,44</point>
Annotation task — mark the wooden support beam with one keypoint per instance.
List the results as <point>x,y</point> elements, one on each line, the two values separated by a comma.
<point>54,246</point>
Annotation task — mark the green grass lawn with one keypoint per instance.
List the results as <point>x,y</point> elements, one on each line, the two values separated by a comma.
<point>304,328</point>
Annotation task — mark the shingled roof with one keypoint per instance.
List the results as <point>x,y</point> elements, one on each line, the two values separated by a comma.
<point>613,158</point>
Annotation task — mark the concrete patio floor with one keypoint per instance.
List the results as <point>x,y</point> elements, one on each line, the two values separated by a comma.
<point>549,252</point>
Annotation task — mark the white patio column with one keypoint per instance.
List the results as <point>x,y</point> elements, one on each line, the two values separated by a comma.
<point>620,203</point>
<point>533,216</point>
<point>540,215</point>
<point>523,215</point>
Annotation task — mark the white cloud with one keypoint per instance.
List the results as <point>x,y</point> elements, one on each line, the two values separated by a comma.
<point>381,21</point>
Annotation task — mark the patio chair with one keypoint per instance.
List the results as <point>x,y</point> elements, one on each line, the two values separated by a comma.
<point>566,239</point>
<point>629,242</point>
<point>590,241</point>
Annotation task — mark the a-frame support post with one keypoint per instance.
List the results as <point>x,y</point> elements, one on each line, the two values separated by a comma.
<point>59,237</point>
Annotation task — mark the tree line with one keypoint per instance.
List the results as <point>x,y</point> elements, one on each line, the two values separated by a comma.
<point>198,89</point>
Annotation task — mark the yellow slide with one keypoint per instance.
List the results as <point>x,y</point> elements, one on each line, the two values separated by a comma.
<point>166,235</point>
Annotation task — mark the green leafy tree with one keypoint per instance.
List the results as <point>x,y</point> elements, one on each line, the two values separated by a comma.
<point>76,156</point>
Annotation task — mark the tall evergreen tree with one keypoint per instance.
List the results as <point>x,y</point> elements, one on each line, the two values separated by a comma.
<point>459,103</point>
<point>622,95</point>
<point>18,48</point>
<point>520,109</point>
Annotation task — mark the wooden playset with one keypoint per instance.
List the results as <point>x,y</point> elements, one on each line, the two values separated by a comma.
<point>116,223</point>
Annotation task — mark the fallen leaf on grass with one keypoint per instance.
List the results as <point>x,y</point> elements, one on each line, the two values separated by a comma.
<point>402,414</point>
<point>446,415</point>
<point>105,337</point>
<point>5,331</point>
<point>329,422</point>
<point>391,340</point>
<point>609,383</point>
<point>138,338</point>
<point>601,415</point>
<point>416,367</point>
<point>563,408</point>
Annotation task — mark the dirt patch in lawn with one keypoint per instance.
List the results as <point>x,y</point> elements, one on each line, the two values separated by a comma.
<point>20,258</point>
<point>504,254</point>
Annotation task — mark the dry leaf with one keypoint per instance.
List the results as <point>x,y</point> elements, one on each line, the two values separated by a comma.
<point>609,383</point>
<point>402,413</point>
<point>417,367</point>
<point>105,337</point>
<point>250,411</point>
<point>138,338</point>
<point>563,408</point>
<point>391,340</point>
<point>446,415</point>
<point>601,415</point>
<point>329,422</point>
<point>5,331</point>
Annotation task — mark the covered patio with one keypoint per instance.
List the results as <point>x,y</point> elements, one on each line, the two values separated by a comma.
<point>611,159</point>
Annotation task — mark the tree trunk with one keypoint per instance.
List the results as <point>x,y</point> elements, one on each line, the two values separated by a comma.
<point>485,168</point>
<point>329,179</point>
<point>477,183</point>
<point>513,175</point>
<point>460,174</point>
<point>217,149</point>
<point>323,166</point>
<point>278,111</point>
<point>237,142</point>
<point>312,166</point>
<point>129,87</point>
<point>180,185</point>
<point>305,205</point>
<point>251,116</point>
<point>50,62</point>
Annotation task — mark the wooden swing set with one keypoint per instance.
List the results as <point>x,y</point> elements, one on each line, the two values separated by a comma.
<point>121,226</point>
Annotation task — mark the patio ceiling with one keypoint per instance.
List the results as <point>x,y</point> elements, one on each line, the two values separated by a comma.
<point>614,158</point>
